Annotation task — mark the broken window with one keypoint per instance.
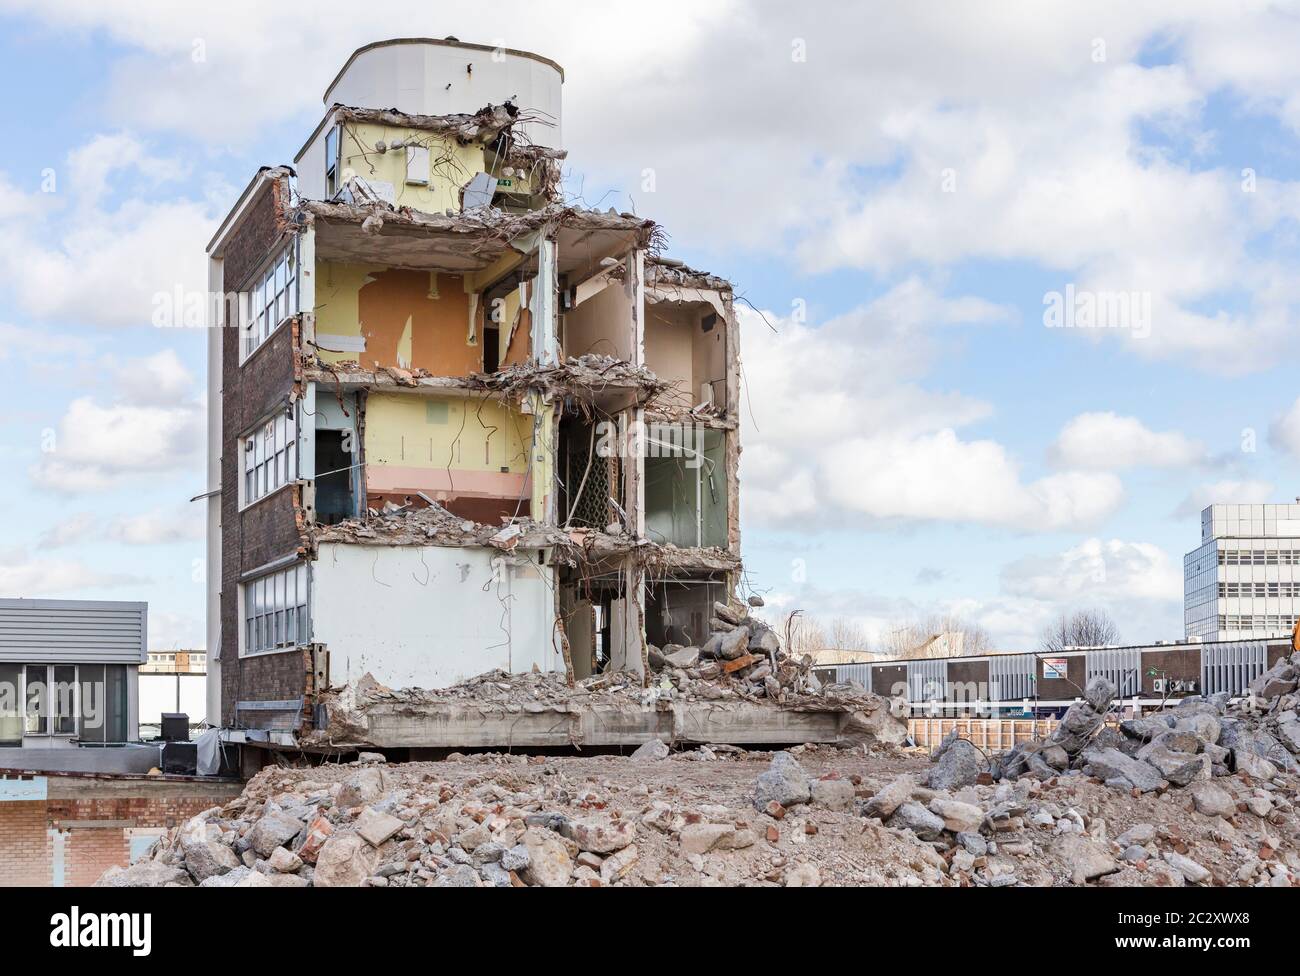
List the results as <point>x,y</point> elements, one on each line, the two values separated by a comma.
<point>334,470</point>
<point>686,486</point>
<point>270,456</point>
<point>275,610</point>
<point>273,297</point>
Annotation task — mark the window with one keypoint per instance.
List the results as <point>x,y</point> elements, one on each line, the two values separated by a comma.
<point>275,610</point>
<point>273,298</point>
<point>104,703</point>
<point>11,716</point>
<point>270,456</point>
<point>51,699</point>
<point>331,162</point>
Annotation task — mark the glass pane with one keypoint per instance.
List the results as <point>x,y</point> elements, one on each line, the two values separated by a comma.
<point>37,700</point>
<point>63,699</point>
<point>92,702</point>
<point>115,702</point>
<point>11,716</point>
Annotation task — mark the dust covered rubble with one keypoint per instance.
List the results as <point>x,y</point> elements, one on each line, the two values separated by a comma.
<point>1200,793</point>
<point>741,662</point>
<point>808,816</point>
<point>511,821</point>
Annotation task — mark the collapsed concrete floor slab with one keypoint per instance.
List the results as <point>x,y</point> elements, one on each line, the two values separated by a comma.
<point>500,711</point>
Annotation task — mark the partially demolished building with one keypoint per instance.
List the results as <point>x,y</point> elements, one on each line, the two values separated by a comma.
<point>457,423</point>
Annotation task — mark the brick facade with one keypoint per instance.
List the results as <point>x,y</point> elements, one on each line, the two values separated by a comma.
<point>24,845</point>
<point>85,825</point>
<point>271,528</point>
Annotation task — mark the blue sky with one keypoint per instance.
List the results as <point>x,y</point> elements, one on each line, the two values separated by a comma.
<point>899,202</point>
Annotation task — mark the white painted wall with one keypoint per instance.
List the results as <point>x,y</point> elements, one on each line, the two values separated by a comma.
<point>212,568</point>
<point>158,694</point>
<point>430,616</point>
<point>430,78</point>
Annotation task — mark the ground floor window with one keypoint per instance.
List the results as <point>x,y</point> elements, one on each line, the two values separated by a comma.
<point>275,610</point>
<point>104,705</point>
<point>51,699</point>
<point>11,709</point>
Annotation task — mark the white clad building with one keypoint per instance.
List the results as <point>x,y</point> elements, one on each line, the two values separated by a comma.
<point>1243,581</point>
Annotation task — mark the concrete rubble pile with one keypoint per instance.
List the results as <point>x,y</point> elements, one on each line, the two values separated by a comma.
<point>869,718</point>
<point>1206,793</point>
<point>720,816</point>
<point>742,656</point>
<point>507,821</point>
<point>1196,740</point>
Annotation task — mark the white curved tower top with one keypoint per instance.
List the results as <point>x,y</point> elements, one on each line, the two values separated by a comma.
<point>425,76</point>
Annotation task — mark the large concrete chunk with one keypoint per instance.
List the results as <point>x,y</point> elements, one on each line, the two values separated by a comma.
<point>785,782</point>
<point>273,829</point>
<point>144,874</point>
<point>549,864</point>
<point>344,862</point>
<point>959,764</point>
<point>918,820</point>
<point>375,827</point>
<point>1116,768</point>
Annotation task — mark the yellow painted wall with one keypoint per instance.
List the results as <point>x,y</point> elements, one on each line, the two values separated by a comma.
<point>451,164</point>
<point>409,319</point>
<point>425,432</point>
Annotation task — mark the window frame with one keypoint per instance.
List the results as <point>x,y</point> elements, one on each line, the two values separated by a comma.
<point>258,469</point>
<point>266,616</point>
<point>283,301</point>
<point>49,722</point>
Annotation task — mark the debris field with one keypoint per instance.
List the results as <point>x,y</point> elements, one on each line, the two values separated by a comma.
<point>875,814</point>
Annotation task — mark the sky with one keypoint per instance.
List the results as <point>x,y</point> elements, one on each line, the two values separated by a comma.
<point>918,203</point>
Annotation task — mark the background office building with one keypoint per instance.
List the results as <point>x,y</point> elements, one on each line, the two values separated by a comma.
<point>69,672</point>
<point>1243,581</point>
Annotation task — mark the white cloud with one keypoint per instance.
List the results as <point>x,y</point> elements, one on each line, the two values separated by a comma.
<point>99,446</point>
<point>941,477</point>
<point>92,165</point>
<point>1108,442</point>
<point>844,428</point>
<point>1284,432</point>
<point>150,528</point>
<point>1224,492</point>
<point>158,379</point>
<point>21,576</point>
<point>154,425</point>
<point>1137,583</point>
<point>845,151</point>
<point>1097,570</point>
<point>169,631</point>
<point>66,256</point>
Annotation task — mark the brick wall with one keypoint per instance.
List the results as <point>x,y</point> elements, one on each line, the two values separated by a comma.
<point>24,845</point>
<point>90,851</point>
<point>93,820</point>
<point>271,528</point>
